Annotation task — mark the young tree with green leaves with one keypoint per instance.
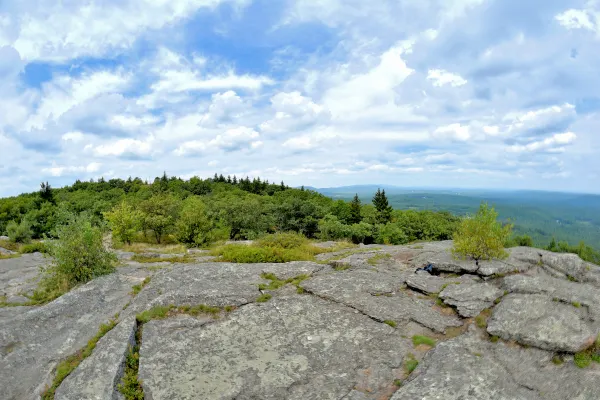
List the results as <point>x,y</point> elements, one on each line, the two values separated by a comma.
<point>124,221</point>
<point>481,237</point>
<point>194,226</point>
<point>355,206</point>
<point>384,210</point>
<point>160,213</point>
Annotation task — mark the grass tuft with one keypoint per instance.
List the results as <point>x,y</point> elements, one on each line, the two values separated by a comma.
<point>583,359</point>
<point>174,259</point>
<point>557,360</point>
<point>390,323</point>
<point>68,365</point>
<point>419,339</point>
<point>138,288</point>
<point>494,339</point>
<point>576,304</point>
<point>397,382</point>
<point>410,364</point>
<point>263,298</point>
<point>482,318</point>
<point>131,386</point>
<point>379,257</point>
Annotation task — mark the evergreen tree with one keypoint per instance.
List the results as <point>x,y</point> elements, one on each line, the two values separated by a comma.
<point>222,178</point>
<point>216,178</point>
<point>355,216</point>
<point>234,181</point>
<point>384,210</point>
<point>229,179</point>
<point>282,186</point>
<point>46,193</point>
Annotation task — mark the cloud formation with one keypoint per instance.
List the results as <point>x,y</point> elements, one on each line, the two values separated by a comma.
<point>460,93</point>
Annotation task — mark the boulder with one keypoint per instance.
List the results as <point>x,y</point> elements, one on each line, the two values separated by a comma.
<point>537,320</point>
<point>470,299</point>
<point>426,283</point>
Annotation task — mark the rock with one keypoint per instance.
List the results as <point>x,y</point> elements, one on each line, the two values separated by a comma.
<point>197,251</point>
<point>4,251</point>
<point>39,337</point>
<point>470,368</point>
<point>97,376</point>
<point>426,283</point>
<point>470,299</point>
<point>20,275</point>
<point>4,238</point>
<point>378,295</point>
<point>298,347</point>
<point>17,299</point>
<point>536,320</point>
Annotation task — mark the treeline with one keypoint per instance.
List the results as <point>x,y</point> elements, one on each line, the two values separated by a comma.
<point>200,211</point>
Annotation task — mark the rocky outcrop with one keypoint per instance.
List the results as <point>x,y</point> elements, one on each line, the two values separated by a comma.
<point>470,299</point>
<point>343,332</point>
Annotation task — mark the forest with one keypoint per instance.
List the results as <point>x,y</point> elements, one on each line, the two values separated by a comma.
<point>199,212</point>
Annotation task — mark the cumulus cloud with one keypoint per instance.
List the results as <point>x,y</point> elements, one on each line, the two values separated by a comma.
<point>456,132</point>
<point>56,170</point>
<point>294,112</point>
<point>440,77</point>
<point>553,144</point>
<point>131,148</point>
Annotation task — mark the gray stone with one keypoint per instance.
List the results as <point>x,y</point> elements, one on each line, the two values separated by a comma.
<point>470,299</point>
<point>536,320</point>
<point>4,251</point>
<point>297,347</point>
<point>20,275</point>
<point>378,295</point>
<point>426,283</point>
<point>97,377</point>
<point>4,238</point>
<point>471,368</point>
<point>40,337</point>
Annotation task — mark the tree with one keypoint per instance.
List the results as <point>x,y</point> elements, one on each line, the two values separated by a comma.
<point>124,221</point>
<point>355,206</point>
<point>481,237</point>
<point>46,193</point>
<point>160,212</point>
<point>194,225</point>
<point>384,210</point>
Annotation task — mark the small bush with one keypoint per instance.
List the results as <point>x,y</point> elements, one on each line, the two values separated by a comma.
<point>19,233</point>
<point>34,247</point>
<point>287,240</point>
<point>390,233</point>
<point>418,339</point>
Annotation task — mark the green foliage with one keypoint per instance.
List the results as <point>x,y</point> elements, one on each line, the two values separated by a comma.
<point>523,240</point>
<point>130,386</point>
<point>19,233</point>
<point>379,257</point>
<point>410,364</point>
<point>361,233</point>
<point>355,211</point>
<point>151,259</point>
<point>419,339</point>
<point>426,225</point>
<point>156,312</point>
<point>583,359</point>
<point>65,367</point>
<point>481,237</point>
<point>159,214</point>
<point>194,227</point>
<point>384,210</point>
<point>584,251</point>
<point>78,257</point>
<point>331,228</point>
<point>33,248</point>
<point>390,323</point>
<point>289,240</point>
<point>482,319</point>
<point>125,221</point>
<point>138,288</point>
<point>390,233</point>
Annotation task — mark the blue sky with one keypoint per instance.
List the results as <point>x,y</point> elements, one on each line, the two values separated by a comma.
<point>498,94</point>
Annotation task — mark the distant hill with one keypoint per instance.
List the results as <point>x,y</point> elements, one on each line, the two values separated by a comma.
<point>570,217</point>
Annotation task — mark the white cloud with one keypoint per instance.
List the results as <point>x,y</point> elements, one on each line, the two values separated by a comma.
<point>192,147</point>
<point>294,112</point>
<point>59,31</point>
<point>237,139</point>
<point>553,144</point>
<point>125,147</point>
<point>73,137</point>
<point>440,77</point>
<point>56,170</point>
<point>456,132</point>
<point>578,19</point>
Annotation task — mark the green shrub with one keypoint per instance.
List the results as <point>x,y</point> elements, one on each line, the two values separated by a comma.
<point>390,233</point>
<point>361,232</point>
<point>33,248</point>
<point>288,240</point>
<point>125,221</point>
<point>78,257</point>
<point>19,233</point>
<point>330,228</point>
<point>481,237</point>
<point>194,227</point>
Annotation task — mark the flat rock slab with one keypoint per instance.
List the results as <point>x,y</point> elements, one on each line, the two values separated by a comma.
<point>426,283</point>
<point>471,368</point>
<point>377,295</point>
<point>97,377</point>
<point>470,299</point>
<point>536,320</point>
<point>34,341</point>
<point>215,284</point>
<point>20,274</point>
<point>297,347</point>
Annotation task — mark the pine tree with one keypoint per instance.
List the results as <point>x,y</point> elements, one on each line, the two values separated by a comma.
<point>282,186</point>
<point>384,210</point>
<point>229,179</point>
<point>46,193</point>
<point>234,181</point>
<point>216,178</point>
<point>355,216</point>
<point>221,178</point>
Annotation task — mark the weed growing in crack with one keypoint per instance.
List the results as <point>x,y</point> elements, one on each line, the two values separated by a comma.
<point>68,365</point>
<point>576,304</point>
<point>138,288</point>
<point>571,278</point>
<point>263,298</point>
<point>494,339</point>
<point>426,340</point>
<point>131,386</point>
<point>156,312</point>
<point>557,360</point>
<point>584,358</point>
<point>161,312</point>
<point>410,364</point>
<point>341,267</point>
<point>390,323</point>
<point>482,318</point>
<point>277,283</point>
<point>173,259</point>
<point>397,382</point>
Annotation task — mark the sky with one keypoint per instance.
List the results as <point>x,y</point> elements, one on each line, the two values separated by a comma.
<point>501,94</point>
